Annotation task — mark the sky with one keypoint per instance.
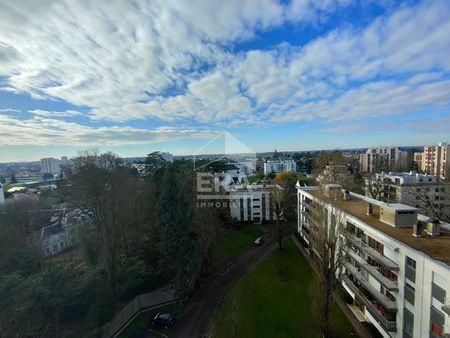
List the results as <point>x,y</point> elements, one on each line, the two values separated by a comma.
<point>138,76</point>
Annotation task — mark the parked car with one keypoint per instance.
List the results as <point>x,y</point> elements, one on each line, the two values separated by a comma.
<point>165,320</point>
<point>259,241</point>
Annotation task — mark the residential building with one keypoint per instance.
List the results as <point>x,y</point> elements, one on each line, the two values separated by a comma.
<point>418,161</point>
<point>168,157</point>
<point>422,191</point>
<point>395,262</point>
<point>435,161</point>
<point>2,194</point>
<point>334,173</point>
<point>56,237</point>
<point>252,203</point>
<point>279,166</point>
<point>50,165</point>
<point>28,176</point>
<point>246,166</point>
<point>380,159</point>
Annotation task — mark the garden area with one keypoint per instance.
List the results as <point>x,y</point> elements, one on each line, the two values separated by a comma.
<point>273,300</point>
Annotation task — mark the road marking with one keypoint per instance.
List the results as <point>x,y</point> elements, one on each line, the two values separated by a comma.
<point>158,333</point>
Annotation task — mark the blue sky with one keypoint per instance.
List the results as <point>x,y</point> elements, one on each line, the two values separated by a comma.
<point>139,76</point>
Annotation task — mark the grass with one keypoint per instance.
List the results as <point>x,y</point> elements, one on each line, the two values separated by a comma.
<point>8,186</point>
<point>234,242</point>
<point>273,300</point>
<point>143,320</point>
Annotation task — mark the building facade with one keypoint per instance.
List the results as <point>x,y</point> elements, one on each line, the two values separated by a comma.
<point>418,161</point>
<point>380,159</point>
<point>395,263</point>
<point>2,194</point>
<point>56,237</point>
<point>252,203</point>
<point>50,166</point>
<point>279,166</point>
<point>435,161</point>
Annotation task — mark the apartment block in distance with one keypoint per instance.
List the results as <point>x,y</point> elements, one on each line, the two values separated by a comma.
<point>252,203</point>
<point>396,263</point>
<point>380,159</point>
<point>422,191</point>
<point>50,166</point>
<point>279,166</point>
<point>435,161</point>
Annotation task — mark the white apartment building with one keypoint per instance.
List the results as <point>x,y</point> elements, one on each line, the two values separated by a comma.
<point>50,165</point>
<point>247,167</point>
<point>422,191</point>
<point>168,157</point>
<point>395,262</point>
<point>380,159</point>
<point>252,203</point>
<point>435,160</point>
<point>279,166</point>
<point>2,194</point>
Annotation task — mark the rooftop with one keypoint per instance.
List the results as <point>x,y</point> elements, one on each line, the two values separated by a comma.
<point>52,230</point>
<point>437,247</point>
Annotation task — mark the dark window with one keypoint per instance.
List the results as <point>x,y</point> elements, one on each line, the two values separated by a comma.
<point>438,292</point>
<point>409,293</point>
<point>408,323</point>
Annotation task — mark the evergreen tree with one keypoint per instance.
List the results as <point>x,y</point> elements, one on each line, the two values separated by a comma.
<point>178,240</point>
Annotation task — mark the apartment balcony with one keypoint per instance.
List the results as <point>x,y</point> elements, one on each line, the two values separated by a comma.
<point>385,302</point>
<point>446,306</point>
<point>388,325</point>
<point>388,284</point>
<point>380,258</point>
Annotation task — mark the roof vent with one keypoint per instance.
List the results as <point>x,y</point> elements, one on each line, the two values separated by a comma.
<point>417,228</point>
<point>346,195</point>
<point>434,227</point>
<point>370,209</point>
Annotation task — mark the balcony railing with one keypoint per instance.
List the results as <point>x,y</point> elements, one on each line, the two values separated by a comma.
<point>387,303</point>
<point>380,258</point>
<point>446,306</point>
<point>389,326</point>
<point>388,284</point>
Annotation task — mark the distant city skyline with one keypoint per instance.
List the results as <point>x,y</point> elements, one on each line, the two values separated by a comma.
<point>292,75</point>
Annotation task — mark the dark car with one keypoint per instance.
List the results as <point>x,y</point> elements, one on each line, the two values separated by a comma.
<point>259,241</point>
<point>165,320</point>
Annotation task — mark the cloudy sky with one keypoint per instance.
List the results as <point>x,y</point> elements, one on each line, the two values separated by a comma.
<point>138,76</point>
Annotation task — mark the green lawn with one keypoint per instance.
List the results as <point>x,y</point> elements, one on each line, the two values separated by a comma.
<point>273,301</point>
<point>143,320</point>
<point>234,242</point>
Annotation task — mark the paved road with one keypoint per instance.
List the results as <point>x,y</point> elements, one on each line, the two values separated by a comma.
<point>207,298</point>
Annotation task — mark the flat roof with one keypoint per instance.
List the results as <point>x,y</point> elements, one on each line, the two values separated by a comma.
<point>437,247</point>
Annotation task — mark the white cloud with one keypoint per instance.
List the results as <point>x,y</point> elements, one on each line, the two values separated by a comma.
<point>9,110</point>
<point>125,61</point>
<point>48,131</point>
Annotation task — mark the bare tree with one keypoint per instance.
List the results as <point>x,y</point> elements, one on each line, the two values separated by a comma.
<point>434,201</point>
<point>279,200</point>
<point>381,188</point>
<point>327,256</point>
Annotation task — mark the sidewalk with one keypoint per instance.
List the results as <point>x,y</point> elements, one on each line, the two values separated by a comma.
<point>362,331</point>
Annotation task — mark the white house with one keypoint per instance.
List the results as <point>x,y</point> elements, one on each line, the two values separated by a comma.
<point>396,263</point>
<point>56,237</point>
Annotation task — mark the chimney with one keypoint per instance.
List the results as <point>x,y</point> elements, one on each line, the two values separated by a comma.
<point>434,227</point>
<point>370,209</point>
<point>417,228</point>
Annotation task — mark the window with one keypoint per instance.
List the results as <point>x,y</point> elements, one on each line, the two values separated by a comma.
<point>408,323</point>
<point>409,293</point>
<point>410,262</point>
<point>55,247</point>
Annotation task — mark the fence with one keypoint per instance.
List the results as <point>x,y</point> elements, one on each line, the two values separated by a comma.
<point>141,303</point>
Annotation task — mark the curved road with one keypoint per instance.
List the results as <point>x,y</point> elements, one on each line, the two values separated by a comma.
<point>207,298</point>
